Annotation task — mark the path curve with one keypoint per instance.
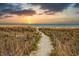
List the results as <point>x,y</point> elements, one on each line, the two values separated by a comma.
<point>44,46</point>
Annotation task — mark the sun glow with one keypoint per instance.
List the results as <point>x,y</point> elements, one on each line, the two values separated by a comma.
<point>26,19</point>
<point>29,20</point>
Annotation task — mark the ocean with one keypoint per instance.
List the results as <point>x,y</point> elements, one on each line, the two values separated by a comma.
<point>41,25</point>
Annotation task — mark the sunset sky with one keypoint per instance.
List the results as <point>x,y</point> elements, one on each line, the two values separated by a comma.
<point>39,13</point>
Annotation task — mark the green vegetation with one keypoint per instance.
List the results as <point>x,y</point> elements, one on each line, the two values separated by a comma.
<point>18,40</point>
<point>65,41</point>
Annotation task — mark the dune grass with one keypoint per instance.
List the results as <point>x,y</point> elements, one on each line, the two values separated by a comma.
<point>18,40</point>
<point>65,41</point>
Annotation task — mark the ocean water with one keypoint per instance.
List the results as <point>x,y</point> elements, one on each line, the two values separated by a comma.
<point>42,25</point>
<point>55,25</point>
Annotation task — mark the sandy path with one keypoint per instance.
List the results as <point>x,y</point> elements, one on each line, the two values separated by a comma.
<point>44,46</point>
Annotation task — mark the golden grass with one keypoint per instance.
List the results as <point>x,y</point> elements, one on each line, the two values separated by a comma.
<point>64,40</point>
<point>18,40</point>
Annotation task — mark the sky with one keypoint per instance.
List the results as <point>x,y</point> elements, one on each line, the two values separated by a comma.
<point>39,13</point>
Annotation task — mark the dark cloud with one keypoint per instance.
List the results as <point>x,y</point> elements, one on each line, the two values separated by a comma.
<point>13,8</point>
<point>19,12</point>
<point>56,7</point>
<point>9,7</point>
<point>49,12</point>
<point>77,5</point>
<point>5,17</point>
<point>24,12</point>
<point>77,12</point>
<point>40,13</point>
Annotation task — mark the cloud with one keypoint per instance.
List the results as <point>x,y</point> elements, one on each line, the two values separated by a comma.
<point>59,9</point>
<point>49,12</point>
<point>76,5</point>
<point>56,7</point>
<point>14,9</point>
<point>9,7</point>
<point>24,12</point>
<point>71,11</point>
